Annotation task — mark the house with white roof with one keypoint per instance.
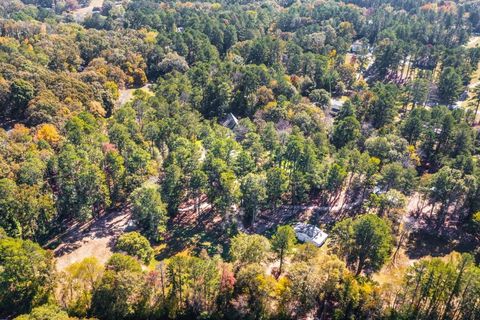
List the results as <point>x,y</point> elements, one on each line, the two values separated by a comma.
<point>309,233</point>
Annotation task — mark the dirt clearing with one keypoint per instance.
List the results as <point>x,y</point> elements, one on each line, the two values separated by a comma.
<point>92,239</point>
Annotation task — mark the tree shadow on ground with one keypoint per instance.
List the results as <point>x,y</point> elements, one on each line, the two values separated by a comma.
<point>422,243</point>
<point>195,232</point>
<point>111,224</point>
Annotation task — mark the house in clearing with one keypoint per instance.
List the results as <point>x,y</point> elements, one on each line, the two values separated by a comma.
<point>309,233</point>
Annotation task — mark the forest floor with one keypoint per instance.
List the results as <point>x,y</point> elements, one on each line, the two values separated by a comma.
<point>425,239</point>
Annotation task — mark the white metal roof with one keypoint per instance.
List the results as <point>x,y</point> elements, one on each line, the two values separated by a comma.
<point>314,234</point>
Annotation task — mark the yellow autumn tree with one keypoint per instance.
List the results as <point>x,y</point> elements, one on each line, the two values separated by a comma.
<point>49,133</point>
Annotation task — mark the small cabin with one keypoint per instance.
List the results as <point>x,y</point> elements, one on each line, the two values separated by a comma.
<point>230,122</point>
<point>336,106</point>
<point>358,47</point>
<point>309,233</point>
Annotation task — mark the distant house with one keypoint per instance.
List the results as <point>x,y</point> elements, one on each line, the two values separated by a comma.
<point>358,47</point>
<point>230,122</point>
<point>309,233</point>
<point>336,106</point>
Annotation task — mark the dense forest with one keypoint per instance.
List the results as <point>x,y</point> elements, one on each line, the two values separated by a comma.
<point>155,156</point>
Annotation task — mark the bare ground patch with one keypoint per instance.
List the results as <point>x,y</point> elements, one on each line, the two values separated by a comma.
<point>95,238</point>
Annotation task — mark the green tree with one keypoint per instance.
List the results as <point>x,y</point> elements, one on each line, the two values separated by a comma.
<point>247,249</point>
<point>115,174</point>
<point>476,98</point>
<point>270,138</point>
<point>476,224</point>
<point>25,211</point>
<point>283,242</point>
<point>299,187</point>
<point>118,294</point>
<point>412,128</point>
<point>320,97</point>
<point>205,282</point>
<point>229,194</point>
<point>21,92</point>
<point>244,164</point>
<point>254,195</point>
<point>26,277</point>
<point>395,176</point>
<point>384,108</point>
<point>178,272</point>
<point>365,242</point>
<point>313,283</point>
<point>172,188</point>
<point>450,85</point>
<point>390,201</point>
<point>418,91</point>
<point>256,288</point>
<point>32,170</point>
<point>76,285</point>
<point>439,288</point>
<point>194,282</point>
<point>149,211</point>
<point>447,187</point>
<point>136,245</point>
<point>335,179</point>
<point>83,188</point>
<point>198,186</point>
<point>121,262</point>
<point>277,185</point>
<point>345,131</point>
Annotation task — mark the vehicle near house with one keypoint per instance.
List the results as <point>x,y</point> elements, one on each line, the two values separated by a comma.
<point>309,233</point>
